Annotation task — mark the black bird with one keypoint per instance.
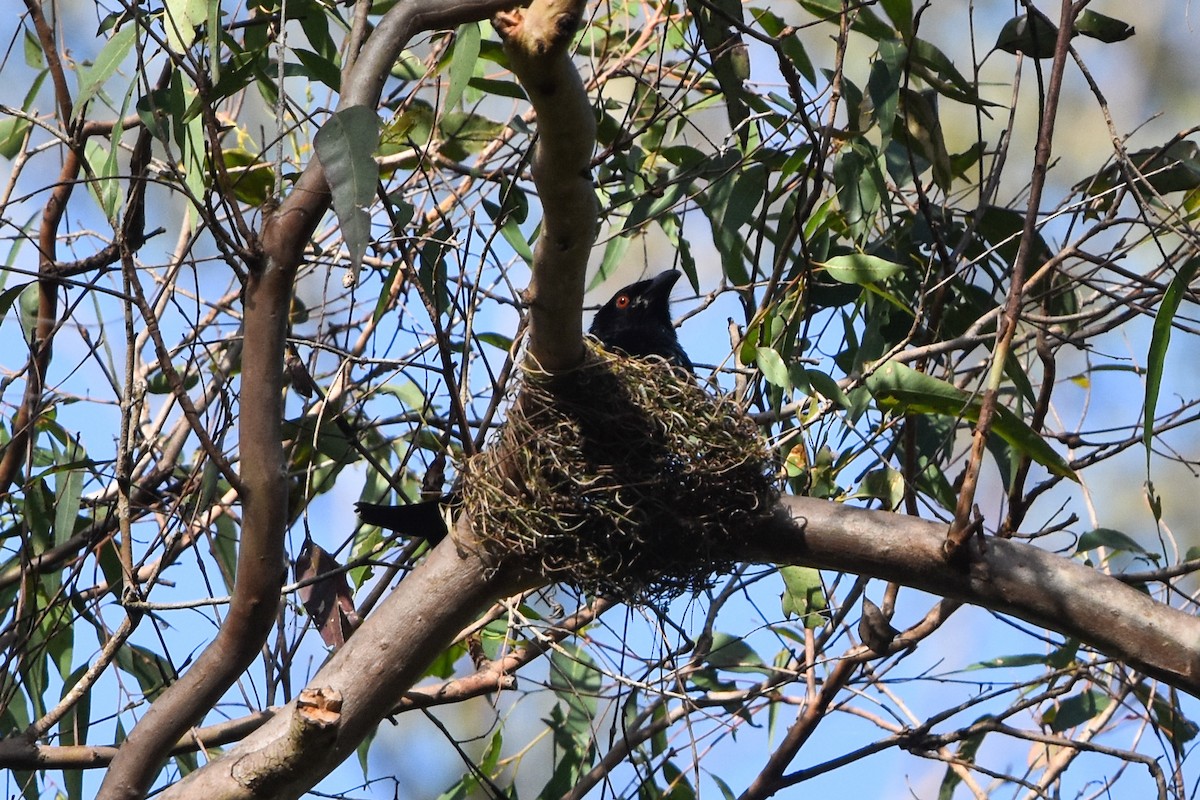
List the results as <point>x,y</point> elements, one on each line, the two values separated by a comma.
<point>636,322</point>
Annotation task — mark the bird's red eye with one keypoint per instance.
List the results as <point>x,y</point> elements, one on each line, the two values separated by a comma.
<point>622,301</point>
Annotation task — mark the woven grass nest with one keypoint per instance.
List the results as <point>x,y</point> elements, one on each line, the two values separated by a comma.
<point>621,478</point>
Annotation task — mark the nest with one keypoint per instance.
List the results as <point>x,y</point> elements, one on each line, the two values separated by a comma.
<point>621,478</point>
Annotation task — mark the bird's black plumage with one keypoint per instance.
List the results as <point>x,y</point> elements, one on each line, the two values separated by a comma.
<point>424,519</point>
<point>637,321</point>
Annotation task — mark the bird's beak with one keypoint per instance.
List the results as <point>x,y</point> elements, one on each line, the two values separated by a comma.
<point>662,283</point>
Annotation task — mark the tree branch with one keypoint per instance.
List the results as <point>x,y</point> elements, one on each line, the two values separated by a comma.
<point>537,41</point>
<point>1024,581</point>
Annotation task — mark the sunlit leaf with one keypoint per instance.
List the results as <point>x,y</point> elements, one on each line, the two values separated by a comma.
<point>902,388</point>
<point>109,59</point>
<point>804,595</point>
<point>860,269</point>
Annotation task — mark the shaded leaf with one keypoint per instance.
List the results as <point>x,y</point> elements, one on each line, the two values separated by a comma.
<point>1107,537</point>
<point>1160,340</point>
<point>346,145</point>
<point>329,601</point>
<point>1032,34</point>
<point>1099,26</point>
<point>1075,710</point>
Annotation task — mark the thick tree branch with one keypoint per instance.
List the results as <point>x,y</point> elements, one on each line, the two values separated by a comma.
<point>537,40</point>
<point>1010,577</point>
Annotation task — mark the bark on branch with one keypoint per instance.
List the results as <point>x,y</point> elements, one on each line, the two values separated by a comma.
<point>1021,580</point>
<point>537,40</point>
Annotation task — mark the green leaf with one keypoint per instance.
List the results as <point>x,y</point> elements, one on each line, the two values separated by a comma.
<point>92,78</point>
<point>804,595</point>
<point>68,488</point>
<point>1075,710</point>
<point>1032,34</point>
<point>1007,662</point>
<point>464,133</point>
<point>863,19</point>
<point>827,387</point>
<point>106,187</point>
<point>224,549</point>
<point>731,653</point>
<point>9,296</point>
<point>575,678</point>
<point>497,340</point>
<point>773,367</point>
<point>462,61</point>
<point>320,68</point>
<point>883,86</point>
<point>921,129</point>
<point>28,310</point>
<point>1160,339</point>
<point>12,135</point>
<point>732,208</point>
<point>902,388</point>
<point>860,186</point>
<point>251,180</point>
<point>152,672</point>
<point>1107,537</point>
<point>965,754</point>
<point>1098,26</point>
<point>860,269</point>
<point>614,256</point>
<point>884,484</point>
<point>34,57</point>
<point>346,145</point>
<point>180,19</point>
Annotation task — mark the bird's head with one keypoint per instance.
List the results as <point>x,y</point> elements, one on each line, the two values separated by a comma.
<point>637,306</point>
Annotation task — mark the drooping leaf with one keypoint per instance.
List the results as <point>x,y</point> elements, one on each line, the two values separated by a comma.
<point>329,600</point>
<point>1032,34</point>
<point>732,654</point>
<point>773,367</point>
<point>319,68</point>
<point>346,145</point>
<point>1160,340</point>
<point>462,61</point>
